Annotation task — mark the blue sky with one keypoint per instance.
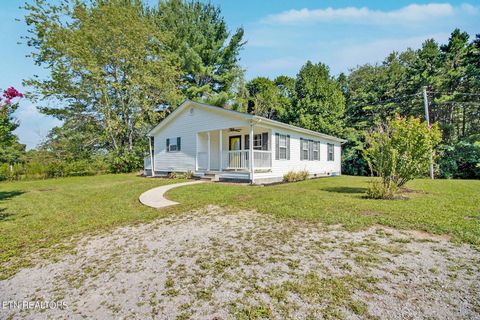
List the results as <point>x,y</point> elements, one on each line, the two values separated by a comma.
<point>281,36</point>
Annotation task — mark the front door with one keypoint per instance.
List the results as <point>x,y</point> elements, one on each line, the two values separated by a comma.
<point>235,143</point>
<point>235,154</point>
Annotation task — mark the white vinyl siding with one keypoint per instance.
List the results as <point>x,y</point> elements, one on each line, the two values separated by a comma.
<point>186,125</point>
<point>319,167</point>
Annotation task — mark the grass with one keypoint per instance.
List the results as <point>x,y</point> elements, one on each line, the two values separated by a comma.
<point>46,214</point>
<point>439,206</point>
<point>49,214</point>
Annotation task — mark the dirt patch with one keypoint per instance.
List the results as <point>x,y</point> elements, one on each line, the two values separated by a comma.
<point>214,263</point>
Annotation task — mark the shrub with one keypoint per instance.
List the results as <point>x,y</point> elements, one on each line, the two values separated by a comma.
<point>188,175</point>
<point>52,168</point>
<point>399,152</point>
<point>173,175</point>
<point>302,175</point>
<point>380,189</point>
<point>292,176</point>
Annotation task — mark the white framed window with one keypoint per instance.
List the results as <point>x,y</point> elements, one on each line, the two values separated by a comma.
<point>330,154</point>
<point>173,144</point>
<point>257,141</point>
<point>316,150</point>
<point>282,146</point>
<point>305,150</point>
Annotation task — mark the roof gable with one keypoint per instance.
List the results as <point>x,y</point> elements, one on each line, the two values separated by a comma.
<point>187,103</point>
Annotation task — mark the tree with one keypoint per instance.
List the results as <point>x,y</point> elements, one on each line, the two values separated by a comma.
<point>10,149</point>
<point>451,74</point>
<point>207,54</point>
<point>270,99</point>
<point>398,152</point>
<point>108,66</point>
<point>319,103</point>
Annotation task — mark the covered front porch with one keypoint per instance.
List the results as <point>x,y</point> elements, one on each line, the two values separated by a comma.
<point>230,150</point>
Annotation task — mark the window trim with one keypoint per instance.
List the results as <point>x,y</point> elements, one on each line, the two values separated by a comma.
<point>330,152</point>
<point>279,148</point>
<point>316,149</point>
<point>305,148</point>
<point>176,144</point>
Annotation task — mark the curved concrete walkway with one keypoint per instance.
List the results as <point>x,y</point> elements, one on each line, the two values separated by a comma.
<point>154,197</point>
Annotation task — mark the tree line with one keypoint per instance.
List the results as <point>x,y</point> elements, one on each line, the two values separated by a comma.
<point>118,67</point>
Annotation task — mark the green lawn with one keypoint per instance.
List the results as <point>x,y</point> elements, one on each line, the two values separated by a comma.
<point>42,214</point>
<point>37,215</point>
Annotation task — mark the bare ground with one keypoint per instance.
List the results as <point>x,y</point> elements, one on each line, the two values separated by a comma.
<point>216,264</point>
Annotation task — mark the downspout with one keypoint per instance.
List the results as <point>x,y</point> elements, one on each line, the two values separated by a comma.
<point>152,165</point>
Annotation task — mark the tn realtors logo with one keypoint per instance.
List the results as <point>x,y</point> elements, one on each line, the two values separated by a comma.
<point>14,304</point>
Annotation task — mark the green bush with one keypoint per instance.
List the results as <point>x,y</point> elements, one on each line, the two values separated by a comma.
<point>51,168</point>
<point>398,152</point>
<point>460,160</point>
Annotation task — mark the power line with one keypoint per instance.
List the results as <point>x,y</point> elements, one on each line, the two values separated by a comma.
<point>459,102</point>
<point>456,93</point>
<point>396,99</point>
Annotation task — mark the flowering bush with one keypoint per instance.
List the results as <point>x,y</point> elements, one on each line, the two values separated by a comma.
<point>7,98</point>
<point>10,148</point>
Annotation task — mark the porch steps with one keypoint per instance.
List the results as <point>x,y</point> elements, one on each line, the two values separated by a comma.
<point>210,177</point>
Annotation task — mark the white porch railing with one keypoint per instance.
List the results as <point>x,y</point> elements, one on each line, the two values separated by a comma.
<point>239,160</point>
<point>202,160</point>
<point>262,159</point>
<point>235,159</point>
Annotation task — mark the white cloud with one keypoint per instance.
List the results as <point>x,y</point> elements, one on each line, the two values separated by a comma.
<point>34,126</point>
<point>408,14</point>
<point>376,51</point>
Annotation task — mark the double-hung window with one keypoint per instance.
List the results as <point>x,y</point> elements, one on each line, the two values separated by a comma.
<point>316,150</point>
<point>282,146</point>
<point>173,144</point>
<point>330,154</point>
<point>305,150</point>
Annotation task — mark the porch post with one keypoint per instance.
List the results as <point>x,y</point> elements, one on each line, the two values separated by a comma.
<point>208,164</point>
<point>250,157</point>
<point>220,147</point>
<point>196,152</point>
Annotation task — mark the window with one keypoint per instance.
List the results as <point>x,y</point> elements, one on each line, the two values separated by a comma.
<point>309,150</point>
<point>174,144</point>
<point>316,150</point>
<point>257,142</point>
<point>282,146</point>
<point>305,149</point>
<point>260,141</point>
<point>330,156</point>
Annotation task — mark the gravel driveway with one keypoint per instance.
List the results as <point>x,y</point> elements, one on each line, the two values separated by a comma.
<point>219,264</point>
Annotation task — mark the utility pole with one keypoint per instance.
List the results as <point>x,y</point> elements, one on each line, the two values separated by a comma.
<point>427,117</point>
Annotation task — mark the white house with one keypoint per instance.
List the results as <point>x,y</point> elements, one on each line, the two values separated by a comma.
<point>227,144</point>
